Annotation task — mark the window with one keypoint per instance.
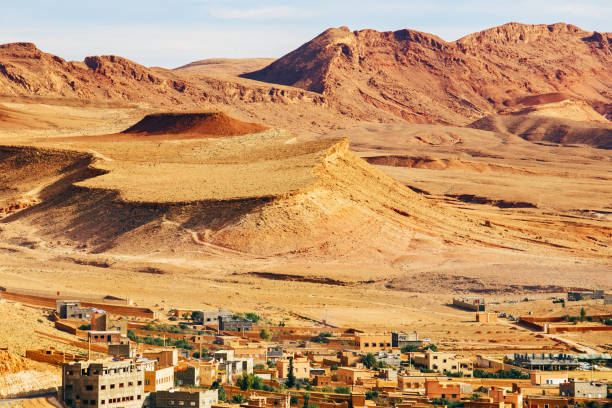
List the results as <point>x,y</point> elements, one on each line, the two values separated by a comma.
<point>147,382</point>
<point>89,387</point>
<point>103,387</point>
<point>443,395</point>
<point>381,344</point>
<point>453,395</point>
<point>130,384</point>
<point>545,405</point>
<point>102,402</point>
<point>112,386</point>
<point>139,382</point>
<point>92,402</point>
<point>120,385</point>
<point>367,344</point>
<point>138,397</point>
<point>84,402</point>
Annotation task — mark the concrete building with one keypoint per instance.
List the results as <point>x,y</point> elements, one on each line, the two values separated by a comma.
<point>402,340</point>
<point>441,362</point>
<point>548,378</point>
<point>104,336</point>
<point>583,389</point>
<point>548,401</point>
<point>447,389</point>
<point>301,368</point>
<point>350,375</point>
<point>195,399</point>
<point>102,384</point>
<point>102,321</point>
<point>212,316</point>
<point>373,342</point>
<point>159,379</point>
<point>545,362</point>
<point>229,323</point>
<point>164,358</point>
<point>274,353</point>
<point>122,350</point>
<point>188,376</point>
<point>72,309</point>
<point>476,304</point>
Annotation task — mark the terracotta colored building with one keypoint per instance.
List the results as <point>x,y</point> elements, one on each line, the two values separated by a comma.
<point>447,389</point>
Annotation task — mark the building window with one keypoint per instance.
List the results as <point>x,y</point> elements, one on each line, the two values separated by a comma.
<point>454,396</point>
<point>120,385</point>
<point>92,402</point>
<point>89,387</point>
<point>139,382</point>
<point>103,387</point>
<point>130,384</point>
<point>367,344</point>
<point>102,402</point>
<point>112,386</point>
<point>138,397</point>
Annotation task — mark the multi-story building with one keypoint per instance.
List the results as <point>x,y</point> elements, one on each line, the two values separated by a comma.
<point>441,362</point>
<point>373,342</point>
<point>402,340</point>
<point>72,309</point>
<point>583,389</point>
<point>164,358</point>
<point>159,379</point>
<point>301,367</point>
<point>232,324</point>
<point>447,389</point>
<point>104,336</point>
<point>103,384</point>
<point>212,316</point>
<point>176,399</point>
<point>350,375</point>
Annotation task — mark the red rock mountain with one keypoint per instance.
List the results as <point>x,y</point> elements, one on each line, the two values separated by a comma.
<point>342,76</point>
<point>419,77</point>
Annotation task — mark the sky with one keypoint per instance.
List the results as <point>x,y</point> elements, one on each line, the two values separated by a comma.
<point>171,33</point>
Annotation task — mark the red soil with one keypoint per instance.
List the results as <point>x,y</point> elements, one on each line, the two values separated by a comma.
<point>211,124</point>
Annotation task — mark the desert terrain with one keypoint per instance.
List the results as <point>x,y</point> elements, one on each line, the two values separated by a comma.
<point>394,172</point>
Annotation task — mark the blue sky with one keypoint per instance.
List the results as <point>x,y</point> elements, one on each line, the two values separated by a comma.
<point>174,32</point>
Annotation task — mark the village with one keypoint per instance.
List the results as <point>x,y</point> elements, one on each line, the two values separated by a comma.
<point>135,357</point>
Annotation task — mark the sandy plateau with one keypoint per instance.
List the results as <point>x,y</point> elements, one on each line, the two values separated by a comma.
<point>246,188</point>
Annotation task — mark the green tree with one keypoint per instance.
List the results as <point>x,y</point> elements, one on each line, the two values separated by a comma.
<point>369,360</point>
<point>306,400</point>
<point>371,395</point>
<point>342,390</point>
<point>238,399</point>
<point>410,348</point>
<point>291,375</point>
<point>222,394</point>
<point>265,334</point>
<point>293,400</point>
<point>196,315</point>
<point>431,347</point>
<point>582,314</point>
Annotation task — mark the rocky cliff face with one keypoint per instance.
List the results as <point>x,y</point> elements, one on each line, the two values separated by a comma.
<point>419,77</point>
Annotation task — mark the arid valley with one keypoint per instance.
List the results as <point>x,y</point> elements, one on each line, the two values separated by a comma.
<point>364,181</point>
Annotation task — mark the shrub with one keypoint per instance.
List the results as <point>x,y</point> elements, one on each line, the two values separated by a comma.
<point>84,327</point>
<point>265,334</point>
<point>238,399</point>
<point>370,395</point>
<point>342,390</point>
